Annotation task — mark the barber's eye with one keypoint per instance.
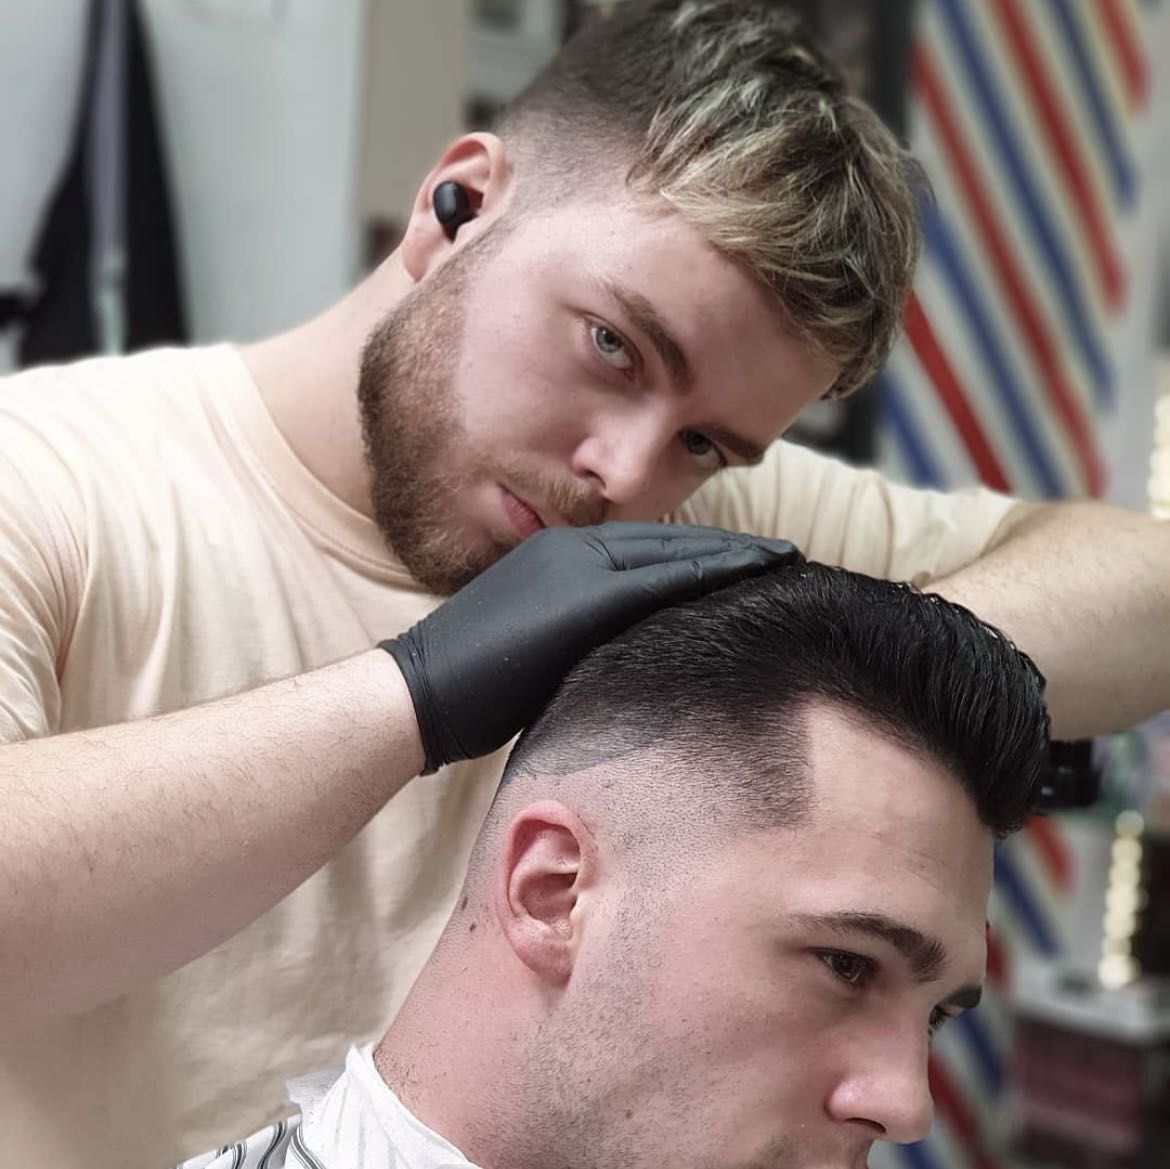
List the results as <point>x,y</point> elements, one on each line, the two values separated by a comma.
<point>852,969</point>
<point>703,450</point>
<point>611,347</point>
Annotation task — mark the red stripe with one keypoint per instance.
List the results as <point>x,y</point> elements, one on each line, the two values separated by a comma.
<point>954,400</point>
<point>1131,59</point>
<point>1031,325</point>
<point>1062,144</point>
<point>1048,843</point>
<point>950,1103</point>
<point>997,966</point>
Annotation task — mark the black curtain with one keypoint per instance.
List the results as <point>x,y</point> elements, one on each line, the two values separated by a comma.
<point>61,320</point>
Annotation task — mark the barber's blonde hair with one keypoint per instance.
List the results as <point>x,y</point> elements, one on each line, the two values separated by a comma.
<point>727,111</point>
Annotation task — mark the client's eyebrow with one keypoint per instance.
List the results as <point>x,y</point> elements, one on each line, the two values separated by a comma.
<point>925,955</point>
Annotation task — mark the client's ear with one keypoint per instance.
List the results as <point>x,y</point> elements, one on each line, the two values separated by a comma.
<point>549,859</point>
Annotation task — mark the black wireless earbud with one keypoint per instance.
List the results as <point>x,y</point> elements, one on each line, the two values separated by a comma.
<point>452,206</point>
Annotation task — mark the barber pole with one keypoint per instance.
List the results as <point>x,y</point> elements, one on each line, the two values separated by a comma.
<point>1027,115</point>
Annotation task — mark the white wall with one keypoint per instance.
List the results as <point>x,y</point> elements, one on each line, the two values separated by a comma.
<point>41,46</point>
<point>417,64</point>
<point>260,107</point>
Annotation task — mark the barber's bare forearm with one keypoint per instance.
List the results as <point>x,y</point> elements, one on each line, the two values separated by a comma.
<point>132,849</point>
<point>1084,588</point>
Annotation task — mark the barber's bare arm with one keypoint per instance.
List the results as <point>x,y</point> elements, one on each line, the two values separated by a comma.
<point>1084,588</point>
<point>130,850</point>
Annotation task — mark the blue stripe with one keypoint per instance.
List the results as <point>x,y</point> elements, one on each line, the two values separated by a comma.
<point>1002,381</point>
<point>1108,140</point>
<point>1011,884</point>
<point>915,452</point>
<point>918,1155</point>
<point>970,1027</point>
<point>1061,273</point>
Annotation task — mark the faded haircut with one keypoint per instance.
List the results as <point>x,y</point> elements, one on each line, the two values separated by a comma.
<point>727,112</point>
<point>705,702</point>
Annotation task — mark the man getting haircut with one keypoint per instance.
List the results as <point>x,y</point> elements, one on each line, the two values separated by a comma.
<point>734,880</point>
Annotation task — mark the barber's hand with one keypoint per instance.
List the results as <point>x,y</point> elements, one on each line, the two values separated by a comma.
<point>483,664</point>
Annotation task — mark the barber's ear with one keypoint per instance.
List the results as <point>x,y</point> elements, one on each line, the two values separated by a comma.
<point>479,164</point>
<point>549,860</point>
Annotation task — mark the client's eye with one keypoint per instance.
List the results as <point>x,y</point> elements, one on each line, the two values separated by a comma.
<point>854,970</point>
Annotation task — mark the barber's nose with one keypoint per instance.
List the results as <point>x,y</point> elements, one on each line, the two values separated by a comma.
<point>888,1091</point>
<point>622,455</point>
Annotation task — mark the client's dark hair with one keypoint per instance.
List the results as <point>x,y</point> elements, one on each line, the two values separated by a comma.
<point>714,691</point>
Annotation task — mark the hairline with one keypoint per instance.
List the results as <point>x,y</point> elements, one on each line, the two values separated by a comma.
<point>537,193</point>
<point>796,713</point>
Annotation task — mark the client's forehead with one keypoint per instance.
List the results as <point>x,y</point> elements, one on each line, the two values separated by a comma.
<point>885,827</point>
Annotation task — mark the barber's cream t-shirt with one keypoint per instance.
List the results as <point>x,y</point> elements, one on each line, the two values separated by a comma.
<point>160,546</point>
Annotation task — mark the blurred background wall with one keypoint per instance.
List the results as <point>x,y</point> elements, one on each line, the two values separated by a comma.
<point>261,110</point>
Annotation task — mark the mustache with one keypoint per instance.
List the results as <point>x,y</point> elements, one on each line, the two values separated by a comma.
<point>572,501</point>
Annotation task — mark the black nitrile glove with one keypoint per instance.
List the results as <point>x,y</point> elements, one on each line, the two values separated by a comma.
<point>485,662</point>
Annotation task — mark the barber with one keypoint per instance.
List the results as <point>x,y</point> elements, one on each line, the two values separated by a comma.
<point>457,685</point>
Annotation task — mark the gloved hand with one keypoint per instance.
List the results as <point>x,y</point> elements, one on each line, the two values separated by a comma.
<point>483,664</point>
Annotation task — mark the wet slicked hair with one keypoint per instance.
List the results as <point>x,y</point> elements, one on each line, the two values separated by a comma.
<point>725,111</point>
<point>706,699</point>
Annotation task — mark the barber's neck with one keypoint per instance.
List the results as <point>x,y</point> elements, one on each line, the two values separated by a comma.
<point>308,380</point>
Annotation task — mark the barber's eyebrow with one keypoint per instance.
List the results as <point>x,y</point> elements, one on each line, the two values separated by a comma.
<point>643,315</point>
<point>925,955</point>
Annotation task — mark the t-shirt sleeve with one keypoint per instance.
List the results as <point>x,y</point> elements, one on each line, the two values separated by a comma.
<point>851,517</point>
<point>40,579</point>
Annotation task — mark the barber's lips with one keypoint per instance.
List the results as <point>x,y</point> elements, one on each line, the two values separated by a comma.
<point>524,518</point>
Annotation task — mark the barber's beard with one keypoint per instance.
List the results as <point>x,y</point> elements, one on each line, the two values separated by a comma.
<point>420,461</point>
<point>412,434</point>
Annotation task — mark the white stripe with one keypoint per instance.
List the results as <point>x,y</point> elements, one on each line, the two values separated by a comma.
<point>949,323</point>
<point>997,187</point>
<point>1090,19</point>
<point>1041,166</point>
<point>1062,73</point>
<point>977,376</point>
<point>930,420</point>
<point>952,1048</point>
<point>948,1149</point>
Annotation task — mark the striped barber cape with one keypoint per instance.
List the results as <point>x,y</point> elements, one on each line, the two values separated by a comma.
<point>279,1146</point>
<point>349,1118</point>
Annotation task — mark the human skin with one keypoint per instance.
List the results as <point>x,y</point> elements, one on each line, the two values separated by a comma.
<point>764,999</point>
<point>1071,584</point>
